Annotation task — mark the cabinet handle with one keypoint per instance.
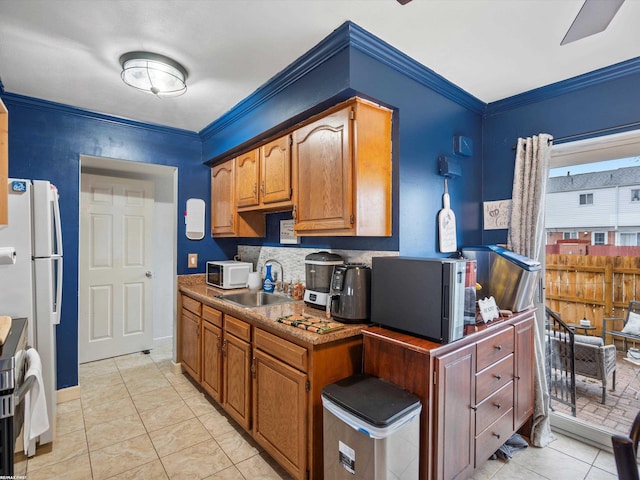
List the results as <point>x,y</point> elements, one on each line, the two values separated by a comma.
<point>218,344</point>
<point>255,188</point>
<point>498,377</point>
<point>262,188</point>
<point>224,348</point>
<point>498,347</point>
<point>253,367</point>
<point>517,377</point>
<point>294,214</point>
<point>497,435</point>
<point>497,405</point>
<point>474,407</point>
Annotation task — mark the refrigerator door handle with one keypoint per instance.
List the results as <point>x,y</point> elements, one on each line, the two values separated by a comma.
<point>58,294</point>
<point>56,221</point>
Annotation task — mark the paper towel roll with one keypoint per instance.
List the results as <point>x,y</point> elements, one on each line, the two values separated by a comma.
<point>7,255</point>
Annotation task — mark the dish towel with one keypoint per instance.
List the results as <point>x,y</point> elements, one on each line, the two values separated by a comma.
<point>312,324</point>
<point>36,420</point>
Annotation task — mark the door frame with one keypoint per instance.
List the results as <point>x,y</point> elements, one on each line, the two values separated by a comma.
<point>165,224</point>
<point>595,149</point>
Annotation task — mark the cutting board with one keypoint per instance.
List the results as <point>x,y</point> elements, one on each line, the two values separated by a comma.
<point>5,326</point>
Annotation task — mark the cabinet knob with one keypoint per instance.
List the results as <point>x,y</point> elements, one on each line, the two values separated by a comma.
<point>294,214</point>
<point>262,188</point>
<point>517,377</point>
<point>498,377</point>
<point>474,407</point>
<point>255,188</point>
<point>224,348</point>
<point>497,435</point>
<point>497,405</point>
<point>498,347</point>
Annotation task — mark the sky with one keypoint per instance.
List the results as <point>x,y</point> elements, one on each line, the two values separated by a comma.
<point>595,167</point>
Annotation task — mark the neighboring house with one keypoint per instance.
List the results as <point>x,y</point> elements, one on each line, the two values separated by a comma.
<point>600,208</point>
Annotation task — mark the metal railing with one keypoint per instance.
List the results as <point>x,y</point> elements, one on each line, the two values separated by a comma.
<point>560,360</point>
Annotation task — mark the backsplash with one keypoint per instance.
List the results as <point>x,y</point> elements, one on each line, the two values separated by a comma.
<point>292,258</point>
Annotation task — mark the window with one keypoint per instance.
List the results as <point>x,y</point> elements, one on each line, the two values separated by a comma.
<point>635,194</point>
<point>628,239</point>
<point>599,238</point>
<point>569,235</point>
<point>586,199</point>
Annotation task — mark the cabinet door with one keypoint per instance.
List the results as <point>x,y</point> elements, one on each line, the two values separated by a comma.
<point>275,171</point>
<point>280,412</point>
<point>190,343</point>
<point>524,367</point>
<point>247,173</point>
<point>212,360</point>
<point>322,162</point>
<point>237,379</point>
<point>454,432</point>
<point>223,199</point>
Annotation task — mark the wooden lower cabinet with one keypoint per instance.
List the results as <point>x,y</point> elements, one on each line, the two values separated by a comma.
<point>236,352</point>
<point>475,392</point>
<point>190,347</point>
<point>212,359</point>
<point>280,412</point>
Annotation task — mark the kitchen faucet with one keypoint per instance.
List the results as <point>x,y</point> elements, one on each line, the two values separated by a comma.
<point>280,288</point>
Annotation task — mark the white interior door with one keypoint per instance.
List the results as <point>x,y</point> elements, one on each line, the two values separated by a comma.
<point>115,271</point>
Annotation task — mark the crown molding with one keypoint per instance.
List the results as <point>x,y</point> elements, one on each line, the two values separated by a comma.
<point>347,35</point>
<point>563,87</point>
<point>46,105</point>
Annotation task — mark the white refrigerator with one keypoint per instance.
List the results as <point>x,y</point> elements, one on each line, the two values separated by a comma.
<point>31,274</point>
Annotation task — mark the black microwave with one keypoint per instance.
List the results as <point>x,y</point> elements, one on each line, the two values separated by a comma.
<point>422,296</point>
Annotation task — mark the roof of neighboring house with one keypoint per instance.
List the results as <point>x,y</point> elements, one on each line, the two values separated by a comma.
<point>588,181</point>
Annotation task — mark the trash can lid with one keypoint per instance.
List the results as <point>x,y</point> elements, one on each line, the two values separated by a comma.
<point>371,399</point>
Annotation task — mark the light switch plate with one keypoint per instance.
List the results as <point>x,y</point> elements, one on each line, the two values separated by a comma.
<point>193,260</point>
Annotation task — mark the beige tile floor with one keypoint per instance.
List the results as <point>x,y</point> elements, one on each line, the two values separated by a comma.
<point>138,420</point>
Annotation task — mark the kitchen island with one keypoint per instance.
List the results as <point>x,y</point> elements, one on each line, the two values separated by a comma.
<point>268,376</point>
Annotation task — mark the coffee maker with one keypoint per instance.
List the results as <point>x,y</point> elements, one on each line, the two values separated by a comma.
<point>318,270</point>
<point>350,293</point>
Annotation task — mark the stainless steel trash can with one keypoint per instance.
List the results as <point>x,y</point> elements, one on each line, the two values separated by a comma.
<point>371,430</point>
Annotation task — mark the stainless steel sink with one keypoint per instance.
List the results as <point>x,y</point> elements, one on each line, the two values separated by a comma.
<point>255,299</point>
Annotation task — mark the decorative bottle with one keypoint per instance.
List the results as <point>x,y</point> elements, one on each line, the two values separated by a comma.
<point>268,283</point>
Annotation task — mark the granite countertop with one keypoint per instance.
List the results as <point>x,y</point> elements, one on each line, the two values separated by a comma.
<point>195,287</point>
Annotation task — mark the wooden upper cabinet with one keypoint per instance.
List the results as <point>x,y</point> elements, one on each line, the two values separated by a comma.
<point>225,220</point>
<point>342,172</point>
<point>223,199</point>
<point>4,164</point>
<point>247,178</point>
<point>263,177</point>
<point>275,173</point>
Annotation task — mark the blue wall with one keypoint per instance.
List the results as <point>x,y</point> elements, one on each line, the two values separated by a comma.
<point>599,100</point>
<point>46,141</point>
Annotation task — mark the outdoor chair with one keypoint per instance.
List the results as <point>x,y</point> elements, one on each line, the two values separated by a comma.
<point>630,325</point>
<point>592,358</point>
<point>625,452</point>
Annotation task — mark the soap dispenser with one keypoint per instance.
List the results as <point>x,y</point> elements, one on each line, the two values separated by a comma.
<point>268,283</point>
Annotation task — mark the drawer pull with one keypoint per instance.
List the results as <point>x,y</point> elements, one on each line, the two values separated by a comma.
<point>497,405</point>
<point>498,377</point>
<point>498,347</point>
<point>497,435</point>
<point>474,407</point>
<point>517,377</point>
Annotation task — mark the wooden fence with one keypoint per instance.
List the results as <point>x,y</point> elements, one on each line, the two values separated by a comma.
<point>591,286</point>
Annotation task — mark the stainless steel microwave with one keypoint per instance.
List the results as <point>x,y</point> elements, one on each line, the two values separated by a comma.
<point>228,273</point>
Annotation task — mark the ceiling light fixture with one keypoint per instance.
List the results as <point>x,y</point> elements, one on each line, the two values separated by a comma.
<point>153,73</point>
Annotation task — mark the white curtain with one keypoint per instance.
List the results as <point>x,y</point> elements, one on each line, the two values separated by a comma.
<point>527,237</point>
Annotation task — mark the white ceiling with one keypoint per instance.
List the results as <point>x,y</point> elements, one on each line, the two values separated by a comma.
<point>67,51</point>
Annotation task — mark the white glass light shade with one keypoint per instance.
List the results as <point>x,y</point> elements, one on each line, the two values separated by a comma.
<point>153,73</point>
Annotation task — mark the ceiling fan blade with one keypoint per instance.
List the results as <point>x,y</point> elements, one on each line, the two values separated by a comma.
<point>593,17</point>
<point>403,2</point>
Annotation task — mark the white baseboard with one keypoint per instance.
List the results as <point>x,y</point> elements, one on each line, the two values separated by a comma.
<point>68,394</point>
<point>176,368</point>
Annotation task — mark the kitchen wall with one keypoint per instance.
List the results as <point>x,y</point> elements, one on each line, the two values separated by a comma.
<point>603,99</point>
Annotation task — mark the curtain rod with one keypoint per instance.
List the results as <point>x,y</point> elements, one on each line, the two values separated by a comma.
<point>591,132</point>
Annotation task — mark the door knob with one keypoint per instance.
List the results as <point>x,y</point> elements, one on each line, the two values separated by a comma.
<point>148,274</point>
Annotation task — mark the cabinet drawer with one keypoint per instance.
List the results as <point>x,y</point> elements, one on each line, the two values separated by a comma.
<point>494,348</point>
<point>494,406</point>
<point>493,378</point>
<point>191,305</point>
<point>493,437</point>
<point>284,350</point>
<point>212,315</point>
<point>191,315</point>
<point>237,327</point>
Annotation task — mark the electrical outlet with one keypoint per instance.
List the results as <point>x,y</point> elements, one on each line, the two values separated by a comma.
<point>193,260</point>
